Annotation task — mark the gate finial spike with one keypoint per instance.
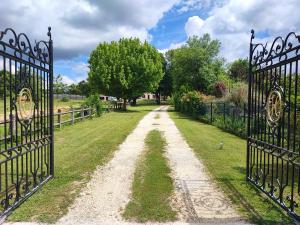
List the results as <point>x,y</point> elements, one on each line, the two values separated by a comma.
<point>252,35</point>
<point>49,33</point>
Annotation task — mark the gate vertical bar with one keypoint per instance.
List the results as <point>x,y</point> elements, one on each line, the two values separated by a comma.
<point>51,103</point>
<point>249,104</point>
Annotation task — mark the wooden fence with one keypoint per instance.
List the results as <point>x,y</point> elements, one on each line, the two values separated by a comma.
<point>71,116</point>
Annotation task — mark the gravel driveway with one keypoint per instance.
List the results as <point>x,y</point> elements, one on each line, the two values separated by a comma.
<point>196,199</point>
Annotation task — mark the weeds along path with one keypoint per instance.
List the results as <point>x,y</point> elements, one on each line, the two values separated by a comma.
<point>196,198</point>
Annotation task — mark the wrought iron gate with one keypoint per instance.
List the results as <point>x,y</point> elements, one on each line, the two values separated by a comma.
<point>273,143</point>
<point>26,121</point>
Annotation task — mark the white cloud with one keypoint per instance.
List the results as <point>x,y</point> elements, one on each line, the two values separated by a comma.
<point>172,46</point>
<point>79,25</point>
<point>74,70</point>
<point>72,80</point>
<point>67,80</point>
<point>81,67</point>
<point>194,26</point>
<point>231,23</point>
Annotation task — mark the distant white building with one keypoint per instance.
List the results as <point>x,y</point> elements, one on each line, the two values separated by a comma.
<point>148,96</point>
<point>108,98</point>
<point>104,97</point>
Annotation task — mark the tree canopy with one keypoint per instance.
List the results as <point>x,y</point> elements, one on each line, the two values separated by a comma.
<point>59,87</point>
<point>165,86</point>
<point>125,69</point>
<point>196,65</point>
<point>82,88</point>
<point>238,70</point>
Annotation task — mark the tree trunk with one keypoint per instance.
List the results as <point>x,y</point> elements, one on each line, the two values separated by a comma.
<point>157,95</point>
<point>124,104</point>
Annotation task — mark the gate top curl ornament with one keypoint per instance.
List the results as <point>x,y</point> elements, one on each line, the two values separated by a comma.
<point>274,108</point>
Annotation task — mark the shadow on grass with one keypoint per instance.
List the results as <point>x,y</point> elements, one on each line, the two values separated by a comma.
<point>135,111</point>
<point>132,110</point>
<point>254,215</point>
<point>182,116</point>
<point>242,170</point>
<point>237,196</point>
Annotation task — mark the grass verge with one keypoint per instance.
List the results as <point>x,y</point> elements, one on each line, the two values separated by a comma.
<point>227,166</point>
<point>152,185</point>
<point>78,150</point>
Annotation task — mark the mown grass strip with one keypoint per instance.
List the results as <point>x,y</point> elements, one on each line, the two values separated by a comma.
<point>78,150</point>
<point>152,186</point>
<point>227,166</point>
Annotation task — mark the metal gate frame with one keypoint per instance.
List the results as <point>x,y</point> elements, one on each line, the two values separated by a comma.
<point>273,143</point>
<point>26,123</point>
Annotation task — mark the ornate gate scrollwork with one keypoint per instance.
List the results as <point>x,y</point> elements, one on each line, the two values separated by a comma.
<point>273,143</point>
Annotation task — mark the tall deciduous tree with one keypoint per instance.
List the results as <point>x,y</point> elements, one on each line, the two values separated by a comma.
<point>125,69</point>
<point>238,69</point>
<point>196,64</point>
<point>83,88</point>
<point>165,86</point>
<point>59,86</point>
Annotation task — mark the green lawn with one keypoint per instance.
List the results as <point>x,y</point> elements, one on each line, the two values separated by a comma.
<point>78,150</point>
<point>227,167</point>
<point>152,186</point>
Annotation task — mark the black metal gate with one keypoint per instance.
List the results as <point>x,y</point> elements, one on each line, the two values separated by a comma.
<point>273,143</point>
<point>26,121</point>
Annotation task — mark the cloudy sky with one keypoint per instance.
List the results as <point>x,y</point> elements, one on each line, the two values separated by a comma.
<point>79,25</point>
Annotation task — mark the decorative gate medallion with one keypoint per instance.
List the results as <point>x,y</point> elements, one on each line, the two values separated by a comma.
<point>25,105</point>
<point>274,108</point>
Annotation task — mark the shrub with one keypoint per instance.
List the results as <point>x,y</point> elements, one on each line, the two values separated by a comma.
<point>94,102</point>
<point>234,125</point>
<point>219,89</point>
<point>239,94</point>
<point>64,99</point>
<point>77,114</point>
<point>192,103</point>
<point>176,101</point>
